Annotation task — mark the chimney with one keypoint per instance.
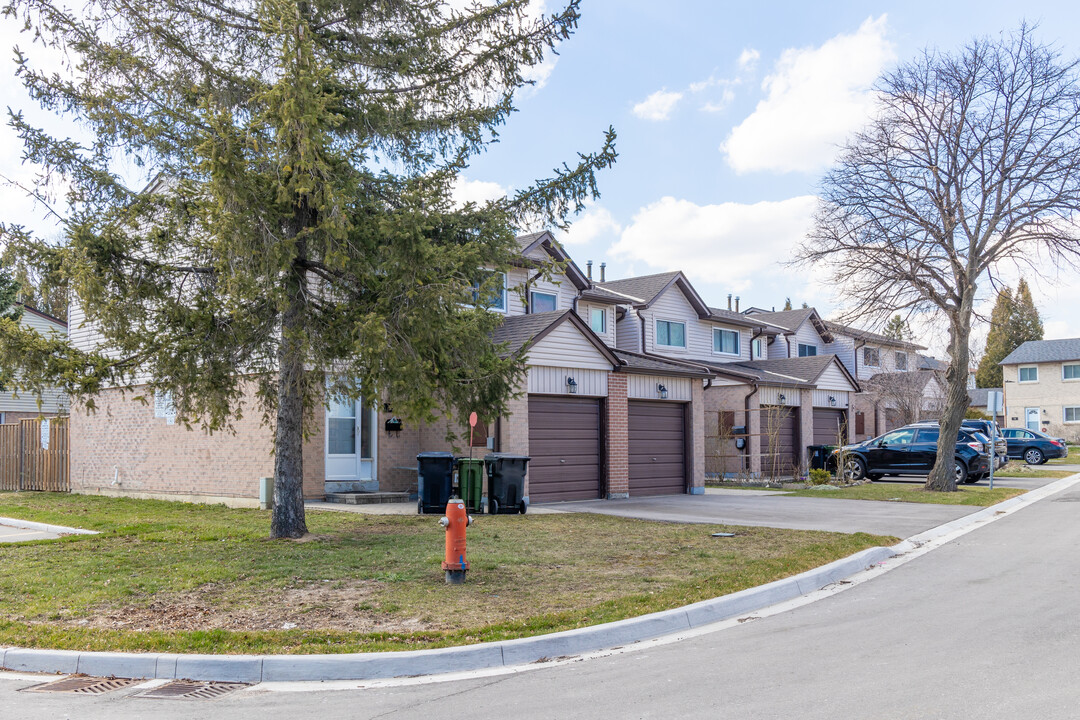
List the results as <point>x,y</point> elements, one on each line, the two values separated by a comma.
<point>729,301</point>
<point>736,303</point>
<point>588,269</point>
<point>603,266</point>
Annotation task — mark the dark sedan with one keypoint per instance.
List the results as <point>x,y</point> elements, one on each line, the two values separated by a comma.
<point>912,450</point>
<point>1034,447</point>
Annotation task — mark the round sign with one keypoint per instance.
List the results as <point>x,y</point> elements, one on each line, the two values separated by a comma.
<point>472,419</point>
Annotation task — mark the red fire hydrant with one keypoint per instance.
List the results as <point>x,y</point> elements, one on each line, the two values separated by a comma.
<point>455,521</point>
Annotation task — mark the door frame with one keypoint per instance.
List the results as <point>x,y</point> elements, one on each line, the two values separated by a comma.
<point>1027,413</point>
<point>361,414</point>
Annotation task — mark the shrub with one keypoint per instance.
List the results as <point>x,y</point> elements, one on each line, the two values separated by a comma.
<point>820,477</point>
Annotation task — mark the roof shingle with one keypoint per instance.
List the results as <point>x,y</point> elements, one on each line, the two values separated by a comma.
<point>1036,351</point>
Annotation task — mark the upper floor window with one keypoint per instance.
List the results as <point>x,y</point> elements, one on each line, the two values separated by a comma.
<point>871,357</point>
<point>543,302</point>
<point>901,361</point>
<point>757,349</point>
<point>1070,372</point>
<point>725,341</point>
<point>494,293</point>
<point>1029,374</point>
<point>598,320</point>
<point>670,334</point>
<point>807,350</point>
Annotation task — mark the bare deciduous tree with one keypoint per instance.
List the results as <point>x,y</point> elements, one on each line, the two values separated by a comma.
<point>971,160</point>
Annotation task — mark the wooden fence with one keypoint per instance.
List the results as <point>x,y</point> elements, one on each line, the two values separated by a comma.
<point>33,457</point>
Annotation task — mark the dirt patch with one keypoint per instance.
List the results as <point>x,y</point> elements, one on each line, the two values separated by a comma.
<point>337,605</point>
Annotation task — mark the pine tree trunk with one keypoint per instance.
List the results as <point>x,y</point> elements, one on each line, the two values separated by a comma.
<point>943,476</point>
<point>288,517</point>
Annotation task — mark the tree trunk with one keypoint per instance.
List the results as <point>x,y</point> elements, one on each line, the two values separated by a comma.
<point>288,517</point>
<point>942,476</point>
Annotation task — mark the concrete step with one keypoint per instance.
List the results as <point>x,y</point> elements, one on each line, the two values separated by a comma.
<point>367,498</point>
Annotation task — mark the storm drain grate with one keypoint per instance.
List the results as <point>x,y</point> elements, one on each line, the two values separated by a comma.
<point>191,690</point>
<point>84,685</point>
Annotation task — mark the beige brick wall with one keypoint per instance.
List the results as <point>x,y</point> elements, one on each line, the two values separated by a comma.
<point>719,454</point>
<point>1051,395</point>
<point>617,442</point>
<point>10,418</point>
<point>122,448</point>
<point>697,440</point>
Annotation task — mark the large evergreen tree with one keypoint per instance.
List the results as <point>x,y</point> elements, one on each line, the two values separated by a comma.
<point>1013,321</point>
<point>897,329</point>
<point>298,236</point>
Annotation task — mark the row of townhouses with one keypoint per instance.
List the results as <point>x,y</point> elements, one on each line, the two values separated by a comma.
<point>634,387</point>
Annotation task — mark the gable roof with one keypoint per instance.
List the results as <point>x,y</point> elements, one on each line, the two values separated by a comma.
<point>915,380</point>
<point>867,336</point>
<point>641,290</point>
<point>1035,351</point>
<point>518,331</point>
<point>44,316</point>
<point>790,320</point>
<point>978,396</point>
<point>737,318</point>
<point>798,371</point>
<point>547,241</point>
<point>929,363</point>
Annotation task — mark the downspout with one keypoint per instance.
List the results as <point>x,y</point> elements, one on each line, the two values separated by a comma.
<point>642,333</point>
<point>746,414</point>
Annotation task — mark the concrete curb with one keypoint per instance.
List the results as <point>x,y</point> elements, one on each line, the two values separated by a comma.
<point>44,527</point>
<point>369,666</point>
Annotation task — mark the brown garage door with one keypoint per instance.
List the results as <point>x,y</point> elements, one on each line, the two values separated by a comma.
<point>779,441</point>
<point>830,426</point>
<point>657,435</point>
<point>564,444</point>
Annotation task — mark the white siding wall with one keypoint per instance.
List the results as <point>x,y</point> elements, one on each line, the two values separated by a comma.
<point>807,335</point>
<point>52,401</point>
<point>887,356</point>
<point>821,398</point>
<point>565,345</point>
<point>834,379</point>
<point>778,348</point>
<point>843,347</point>
<point>643,387</point>
<point>770,395</point>
<point>552,381</point>
<point>585,312</point>
<point>628,332</point>
<point>559,285</point>
<point>672,305</point>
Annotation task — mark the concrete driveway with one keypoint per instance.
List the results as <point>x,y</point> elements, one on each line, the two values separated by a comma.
<point>767,508</point>
<point>12,534</point>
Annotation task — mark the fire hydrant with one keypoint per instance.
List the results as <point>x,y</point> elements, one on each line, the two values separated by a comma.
<point>455,521</point>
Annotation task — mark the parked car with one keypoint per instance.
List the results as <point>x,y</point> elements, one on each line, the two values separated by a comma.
<point>912,450</point>
<point>1033,446</point>
<point>990,429</point>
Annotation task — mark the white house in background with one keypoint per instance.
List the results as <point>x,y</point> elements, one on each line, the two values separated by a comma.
<point>20,406</point>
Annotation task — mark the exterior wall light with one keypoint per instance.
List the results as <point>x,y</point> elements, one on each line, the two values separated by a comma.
<point>781,398</point>
<point>832,400</point>
<point>662,391</point>
<point>571,386</point>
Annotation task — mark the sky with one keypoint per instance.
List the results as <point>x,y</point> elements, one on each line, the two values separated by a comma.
<point>727,116</point>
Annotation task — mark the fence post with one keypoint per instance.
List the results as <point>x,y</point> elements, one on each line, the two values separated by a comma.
<point>21,456</point>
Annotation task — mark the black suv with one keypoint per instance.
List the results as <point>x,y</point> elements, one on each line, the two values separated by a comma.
<point>912,450</point>
<point>990,429</point>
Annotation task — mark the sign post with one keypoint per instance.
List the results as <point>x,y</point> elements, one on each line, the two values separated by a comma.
<point>993,404</point>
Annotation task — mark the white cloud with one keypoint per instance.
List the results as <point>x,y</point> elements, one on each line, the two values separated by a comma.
<point>657,106</point>
<point>595,222</point>
<point>477,191</point>
<point>815,97</point>
<point>731,243</point>
<point>748,59</point>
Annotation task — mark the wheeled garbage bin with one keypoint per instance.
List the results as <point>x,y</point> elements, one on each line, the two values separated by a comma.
<point>820,456</point>
<point>506,483</point>
<point>435,481</point>
<point>471,481</point>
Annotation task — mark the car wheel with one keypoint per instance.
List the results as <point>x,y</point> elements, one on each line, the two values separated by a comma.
<point>960,471</point>
<point>854,469</point>
<point>1034,456</point>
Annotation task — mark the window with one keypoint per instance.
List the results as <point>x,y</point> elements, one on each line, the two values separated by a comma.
<point>341,427</point>
<point>725,341</point>
<point>870,357</point>
<point>929,435</point>
<point>1072,414</point>
<point>1070,372</point>
<point>494,293</point>
<point>807,350</point>
<point>598,320</point>
<point>543,302</point>
<point>670,334</point>
<point>898,437</point>
<point>1029,374</point>
<point>901,361</point>
<point>757,349</point>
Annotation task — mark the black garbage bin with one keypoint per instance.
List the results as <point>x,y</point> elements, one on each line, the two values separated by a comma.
<point>506,483</point>
<point>819,456</point>
<point>435,481</point>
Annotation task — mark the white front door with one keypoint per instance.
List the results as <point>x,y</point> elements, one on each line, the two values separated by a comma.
<point>350,442</point>
<point>1031,418</point>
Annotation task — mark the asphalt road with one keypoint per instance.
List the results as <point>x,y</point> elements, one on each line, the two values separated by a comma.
<point>982,627</point>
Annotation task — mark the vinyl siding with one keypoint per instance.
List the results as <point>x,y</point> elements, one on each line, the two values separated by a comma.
<point>52,400</point>
<point>643,387</point>
<point>559,285</point>
<point>770,395</point>
<point>833,378</point>
<point>807,335</point>
<point>778,348</point>
<point>672,305</point>
<point>628,332</point>
<point>821,398</point>
<point>546,380</point>
<point>565,345</point>
<point>843,347</point>
<point>585,310</point>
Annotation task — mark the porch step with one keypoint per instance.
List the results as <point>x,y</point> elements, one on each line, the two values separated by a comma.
<point>367,498</point>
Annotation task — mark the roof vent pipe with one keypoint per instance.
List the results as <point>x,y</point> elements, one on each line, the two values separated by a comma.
<point>603,266</point>
<point>736,303</point>
<point>729,301</point>
<point>588,269</point>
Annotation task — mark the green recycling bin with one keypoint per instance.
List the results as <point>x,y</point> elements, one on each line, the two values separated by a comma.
<point>471,482</point>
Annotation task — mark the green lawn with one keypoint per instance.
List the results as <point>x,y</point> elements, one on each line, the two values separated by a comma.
<point>1019,470</point>
<point>910,492</point>
<point>176,577</point>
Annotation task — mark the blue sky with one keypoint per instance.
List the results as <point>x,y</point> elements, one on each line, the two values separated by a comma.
<point>727,115</point>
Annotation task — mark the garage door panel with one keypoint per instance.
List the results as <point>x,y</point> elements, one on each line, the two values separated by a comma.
<point>564,444</point>
<point>829,425</point>
<point>779,441</point>
<point>657,456</point>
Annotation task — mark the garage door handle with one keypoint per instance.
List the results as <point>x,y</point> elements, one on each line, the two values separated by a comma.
<point>562,460</point>
<point>654,459</point>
